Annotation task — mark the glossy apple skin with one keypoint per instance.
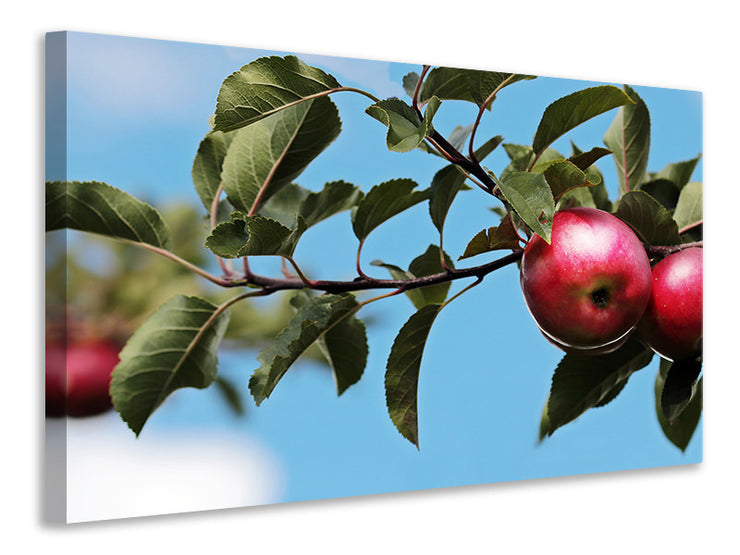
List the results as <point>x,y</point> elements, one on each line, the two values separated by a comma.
<point>589,287</point>
<point>673,324</point>
<point>78,377</point>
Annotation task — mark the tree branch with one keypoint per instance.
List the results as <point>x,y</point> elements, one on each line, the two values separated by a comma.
<point>364,283</point>
<point>665,250</point>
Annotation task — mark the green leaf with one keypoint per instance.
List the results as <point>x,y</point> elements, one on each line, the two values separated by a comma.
<point>483,83</point>
<point>270,154</point>
<point>265,86</point>
<point>682,428</point>
<point>175,347</point>
<point>335,197</point>
<point>574,109</point>
<point>383,202</point>
<point>313,320</point>
<point>459,136</point>
<point>503,236</point>
<point>97,207</point>
<point>650,220</point>
<point>405,129</point>
<point>448,181</point>
<point>628,137</point>
<point>343,346</point>
<point>284,205</point>
<point>689,209</point>
<point>531,197</point>
<point>680,172</point>
<point>580,383</point>
<point>564,176</point>
<point>402,371</point>
<point>254,236</point>
<point>471,85</point>
<point>207,165</point>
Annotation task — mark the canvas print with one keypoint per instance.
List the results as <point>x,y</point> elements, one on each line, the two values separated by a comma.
<point>276,277</point>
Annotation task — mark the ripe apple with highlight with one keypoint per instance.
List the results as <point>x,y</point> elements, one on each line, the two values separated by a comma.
<point>589,287</point>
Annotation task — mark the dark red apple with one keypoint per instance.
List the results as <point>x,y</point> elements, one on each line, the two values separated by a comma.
<point>589,287</point>
<point>78,377</point>
<point>672,324</point>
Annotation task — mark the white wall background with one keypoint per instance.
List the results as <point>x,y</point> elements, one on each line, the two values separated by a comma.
<point>676,510</point>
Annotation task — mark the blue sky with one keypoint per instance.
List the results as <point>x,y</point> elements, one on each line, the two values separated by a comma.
<point>137,110</point>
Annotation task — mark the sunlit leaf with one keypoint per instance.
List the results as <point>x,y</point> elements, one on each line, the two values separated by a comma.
<point>265,86</point>
<point>531,197</point>
<point>268,155</point>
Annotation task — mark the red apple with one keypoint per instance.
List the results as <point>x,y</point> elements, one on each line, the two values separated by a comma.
<point>589,287</point>
<point>672,324</point>
<point>78,377</point>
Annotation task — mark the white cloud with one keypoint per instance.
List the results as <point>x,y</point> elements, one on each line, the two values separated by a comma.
<point>112,474</point>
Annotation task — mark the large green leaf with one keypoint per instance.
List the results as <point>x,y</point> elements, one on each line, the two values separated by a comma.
<point>175,347</point>
<point>689,209</point>
<point>682,428</point>
<point>263,87</point>
<point>97,207</point>
<point>383,202</point>
<point>335,197</point>
<point>628,137</point>
<point>314,319</point>
<point>426,264</point>
<point>580,383</point>
<point>679,387</point>
<point>464,84</point>
<point>271,153</point>
<point>343,346</point>
<point>402,371</point>
<point>531,197</point>
<point>650,220</point>
<point>448,181</point>
<point>207,165</point>
<point>574,109</point>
